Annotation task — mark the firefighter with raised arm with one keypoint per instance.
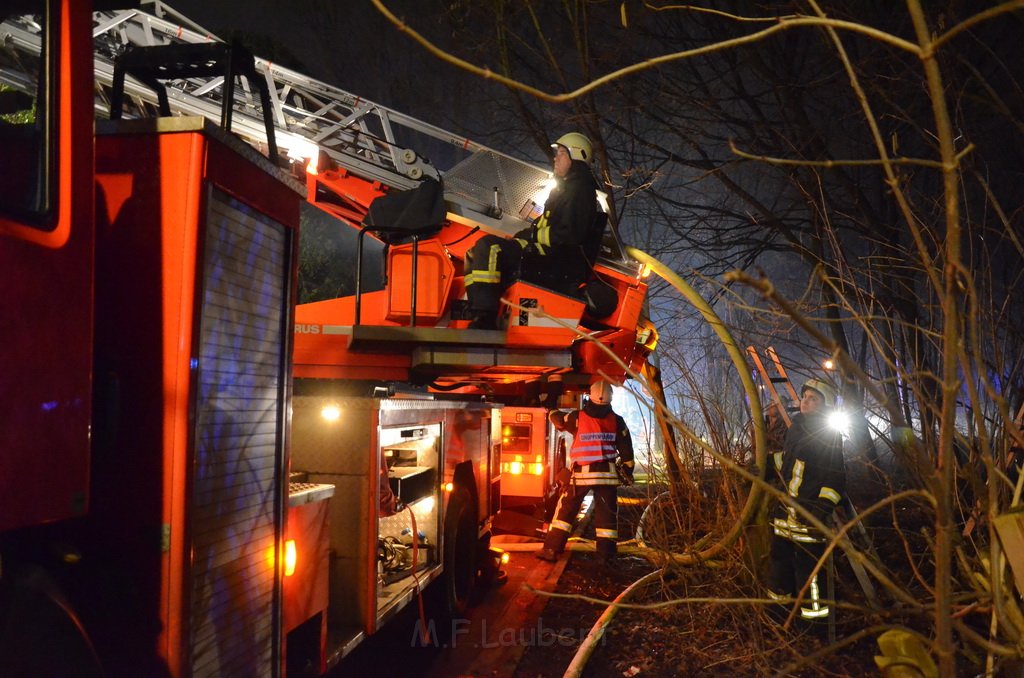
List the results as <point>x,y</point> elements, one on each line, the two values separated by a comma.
<point>813,474</point>
<point>599,437</point>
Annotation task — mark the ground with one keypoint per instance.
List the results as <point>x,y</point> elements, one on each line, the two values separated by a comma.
<point>683,639</point>
<point>707,620</point>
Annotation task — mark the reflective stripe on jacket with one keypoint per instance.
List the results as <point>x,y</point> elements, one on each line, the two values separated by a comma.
<point>594,440</point>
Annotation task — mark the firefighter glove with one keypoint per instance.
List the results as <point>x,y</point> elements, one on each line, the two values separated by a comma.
<point>625,472</point>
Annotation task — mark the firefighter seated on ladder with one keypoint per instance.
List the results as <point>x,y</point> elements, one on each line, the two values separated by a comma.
<point>552,249</point>
<point>598,435</point>
<point>813,473</point>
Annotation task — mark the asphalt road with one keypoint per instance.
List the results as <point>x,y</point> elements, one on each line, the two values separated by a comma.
<point>488,641</point>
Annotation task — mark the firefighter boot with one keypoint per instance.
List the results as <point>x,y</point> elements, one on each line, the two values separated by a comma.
<point>547,554</point>
<point>606,553</point>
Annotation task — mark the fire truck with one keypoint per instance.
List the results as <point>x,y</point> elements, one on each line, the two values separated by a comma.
<point>210,465</point>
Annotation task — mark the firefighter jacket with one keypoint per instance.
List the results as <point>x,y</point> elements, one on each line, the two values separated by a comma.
<point>599,435</point>
<point>569,214</point>
<point>813,473</point>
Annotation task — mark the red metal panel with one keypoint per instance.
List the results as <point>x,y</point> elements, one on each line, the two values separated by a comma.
<point>154,185</point>
<point>46,320</point>
<point>145,288</point>
<point>434,274</point>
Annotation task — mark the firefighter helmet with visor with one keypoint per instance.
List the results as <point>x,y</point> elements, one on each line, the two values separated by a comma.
<point>579,146</point>
<point>826,390</point>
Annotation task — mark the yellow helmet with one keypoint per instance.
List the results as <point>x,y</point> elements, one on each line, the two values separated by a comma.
<point>579,146</point>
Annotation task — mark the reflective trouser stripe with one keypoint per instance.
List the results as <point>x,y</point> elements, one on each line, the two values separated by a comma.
<point>821,611</point>
<point>481,277</point>
<point>606,534</point>
<point>816,610</point>
<point>489,275</point>
<point>560,525</point>
<point>830,494</point>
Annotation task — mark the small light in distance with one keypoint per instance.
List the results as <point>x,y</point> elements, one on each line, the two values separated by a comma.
<point>829,364</point>
<point>505,557</point>
<point>448,487</point>
<point>331,412</point>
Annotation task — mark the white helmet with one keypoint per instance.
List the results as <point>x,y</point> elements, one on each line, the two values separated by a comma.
<point>600,392</point>
<point>827,391</point>
<point>579,146</point>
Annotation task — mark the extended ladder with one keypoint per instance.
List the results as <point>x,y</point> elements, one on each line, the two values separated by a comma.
<point>309,116</point>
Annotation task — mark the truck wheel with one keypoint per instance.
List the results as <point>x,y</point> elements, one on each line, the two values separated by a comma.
<point>460,546</point>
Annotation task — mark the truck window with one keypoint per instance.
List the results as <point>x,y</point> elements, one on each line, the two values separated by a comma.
<point>515,438</point>
<point>27,101</point>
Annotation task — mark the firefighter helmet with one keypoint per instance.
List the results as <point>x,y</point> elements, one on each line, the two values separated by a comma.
<point>579,146</point>
<point>601,392</point>
<point>826,390</point>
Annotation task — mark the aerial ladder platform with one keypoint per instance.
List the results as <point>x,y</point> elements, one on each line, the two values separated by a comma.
<point>354,151</point>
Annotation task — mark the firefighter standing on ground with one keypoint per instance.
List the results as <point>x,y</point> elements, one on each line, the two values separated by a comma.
<point>598,436</point>
<point>552,242</point>
<point>813,474</point>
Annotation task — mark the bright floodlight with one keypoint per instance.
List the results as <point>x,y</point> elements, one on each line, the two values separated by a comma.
<point>541,196</point>
<point>330,412</point>
<point>840,421</point>
<point>298,148</point>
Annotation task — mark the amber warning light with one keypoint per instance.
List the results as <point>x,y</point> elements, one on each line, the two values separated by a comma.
<point>518,467</point>
<point>290,557</point>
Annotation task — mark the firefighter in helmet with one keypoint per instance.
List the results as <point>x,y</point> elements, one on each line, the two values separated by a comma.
<point>813,474</point>
<point>599,435</point>
<point>550,248</point>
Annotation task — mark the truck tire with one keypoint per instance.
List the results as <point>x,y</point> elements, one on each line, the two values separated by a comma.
<point>460,549</point>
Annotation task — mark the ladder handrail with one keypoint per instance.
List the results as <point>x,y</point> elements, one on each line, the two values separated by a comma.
<point>774,357</point>
<point>769,383</point>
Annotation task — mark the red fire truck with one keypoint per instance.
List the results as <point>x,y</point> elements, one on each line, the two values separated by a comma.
<point>201,475</point>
